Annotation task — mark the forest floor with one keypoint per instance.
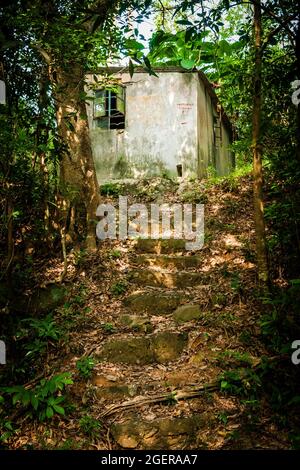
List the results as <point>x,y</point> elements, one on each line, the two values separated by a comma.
<point>169,340</point>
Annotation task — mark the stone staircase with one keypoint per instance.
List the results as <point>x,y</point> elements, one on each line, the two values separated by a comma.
<point>155,355</point>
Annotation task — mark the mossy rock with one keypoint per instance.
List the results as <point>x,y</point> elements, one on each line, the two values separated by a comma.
<point>129,351</point>
<point>168,433</point>
<point>161,348</point>
<point>186,313</point>
<point>110,390</point>
<point>147,245</point>
<point>168,346</point>
<point>169,262</point>
<point>147,277</point>
<point>137,323</point>
<point>153,303</point>
<point>48,298</point>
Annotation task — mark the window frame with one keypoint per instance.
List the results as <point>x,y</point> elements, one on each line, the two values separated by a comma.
<point>110,112</point>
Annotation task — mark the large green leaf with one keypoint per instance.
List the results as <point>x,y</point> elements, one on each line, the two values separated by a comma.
<point>187,63</point>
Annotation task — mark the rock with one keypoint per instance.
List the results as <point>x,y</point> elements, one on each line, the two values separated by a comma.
<point>137,323</point>
<point>110,389</point>
<point>162,347</point>
<point>48,298</point>
<point>199,358</point>
<point>147,277</point>
<point>168,433</point>
<point>129,351</point>
<point>160,246</point>
<point>169,262</point>
<point>186,313</point>
<point>128,442</point>
<point>153,303</point>
<point>168,346</point>
<point>180,378</point>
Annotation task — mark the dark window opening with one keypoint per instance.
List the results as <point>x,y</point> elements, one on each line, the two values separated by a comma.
<point>179,170</point>
<point>109,108</point>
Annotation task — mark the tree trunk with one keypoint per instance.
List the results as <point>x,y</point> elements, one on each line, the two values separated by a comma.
<point>77,171</point>
<point>261,249</point>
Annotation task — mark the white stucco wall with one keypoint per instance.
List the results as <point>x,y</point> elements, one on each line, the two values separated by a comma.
<point>169,121</point>
<point>160,130</point>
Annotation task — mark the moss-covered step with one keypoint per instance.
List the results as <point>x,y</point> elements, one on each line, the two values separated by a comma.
<point>154,303</point>
<point>160,347</point>
<point>149,277</point>
<point>147,245</point>
<point>169,261</point>
<point>137,323</point>
<point>109,389</point>
<point>186,313</point>
<point>166,433</point>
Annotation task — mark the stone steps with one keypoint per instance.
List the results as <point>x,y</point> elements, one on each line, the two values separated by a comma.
<point>166,433</point>
<point>168,262</point>
<point>171,280</point>
<point>154,303</point>
<point>145,245</point>
<point>147,349</point>
<point>163,273</point>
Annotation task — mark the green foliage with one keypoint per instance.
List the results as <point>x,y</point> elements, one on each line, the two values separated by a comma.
<point>194,197</point>
<point>6,430</point>
<point>236,284</point>
<point>85,367</point>
<point>79,257</point>
<point>295,440</point>
<point>108,328</point>
<point>46,328</point>
<point>43,401</point>
<point>119,288</point>
<point>234,358</point>
<point>115,254</point>
<point>223,418</point>
<point>242,382</point>
<point>172,400</point>
<point>281,318</point>
<point>36,334</point>
<point>79,299</point>
<point>246,338</point>
<point>231,182</point>
<point>110,189</point>
<point>282,210</point>
<point>90,426</point>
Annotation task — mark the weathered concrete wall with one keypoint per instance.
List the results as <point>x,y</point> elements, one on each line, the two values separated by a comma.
<point>211,153</point>
<point>204,127</point>
<point>169,121</point>
<point>160,129</point>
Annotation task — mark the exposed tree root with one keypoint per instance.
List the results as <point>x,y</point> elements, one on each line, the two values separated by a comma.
<point>163,398</point>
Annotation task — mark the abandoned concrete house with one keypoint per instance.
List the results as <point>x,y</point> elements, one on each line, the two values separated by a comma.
<point>147,126</point>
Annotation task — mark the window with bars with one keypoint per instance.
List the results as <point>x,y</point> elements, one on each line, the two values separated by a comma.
<point>109,108</point>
